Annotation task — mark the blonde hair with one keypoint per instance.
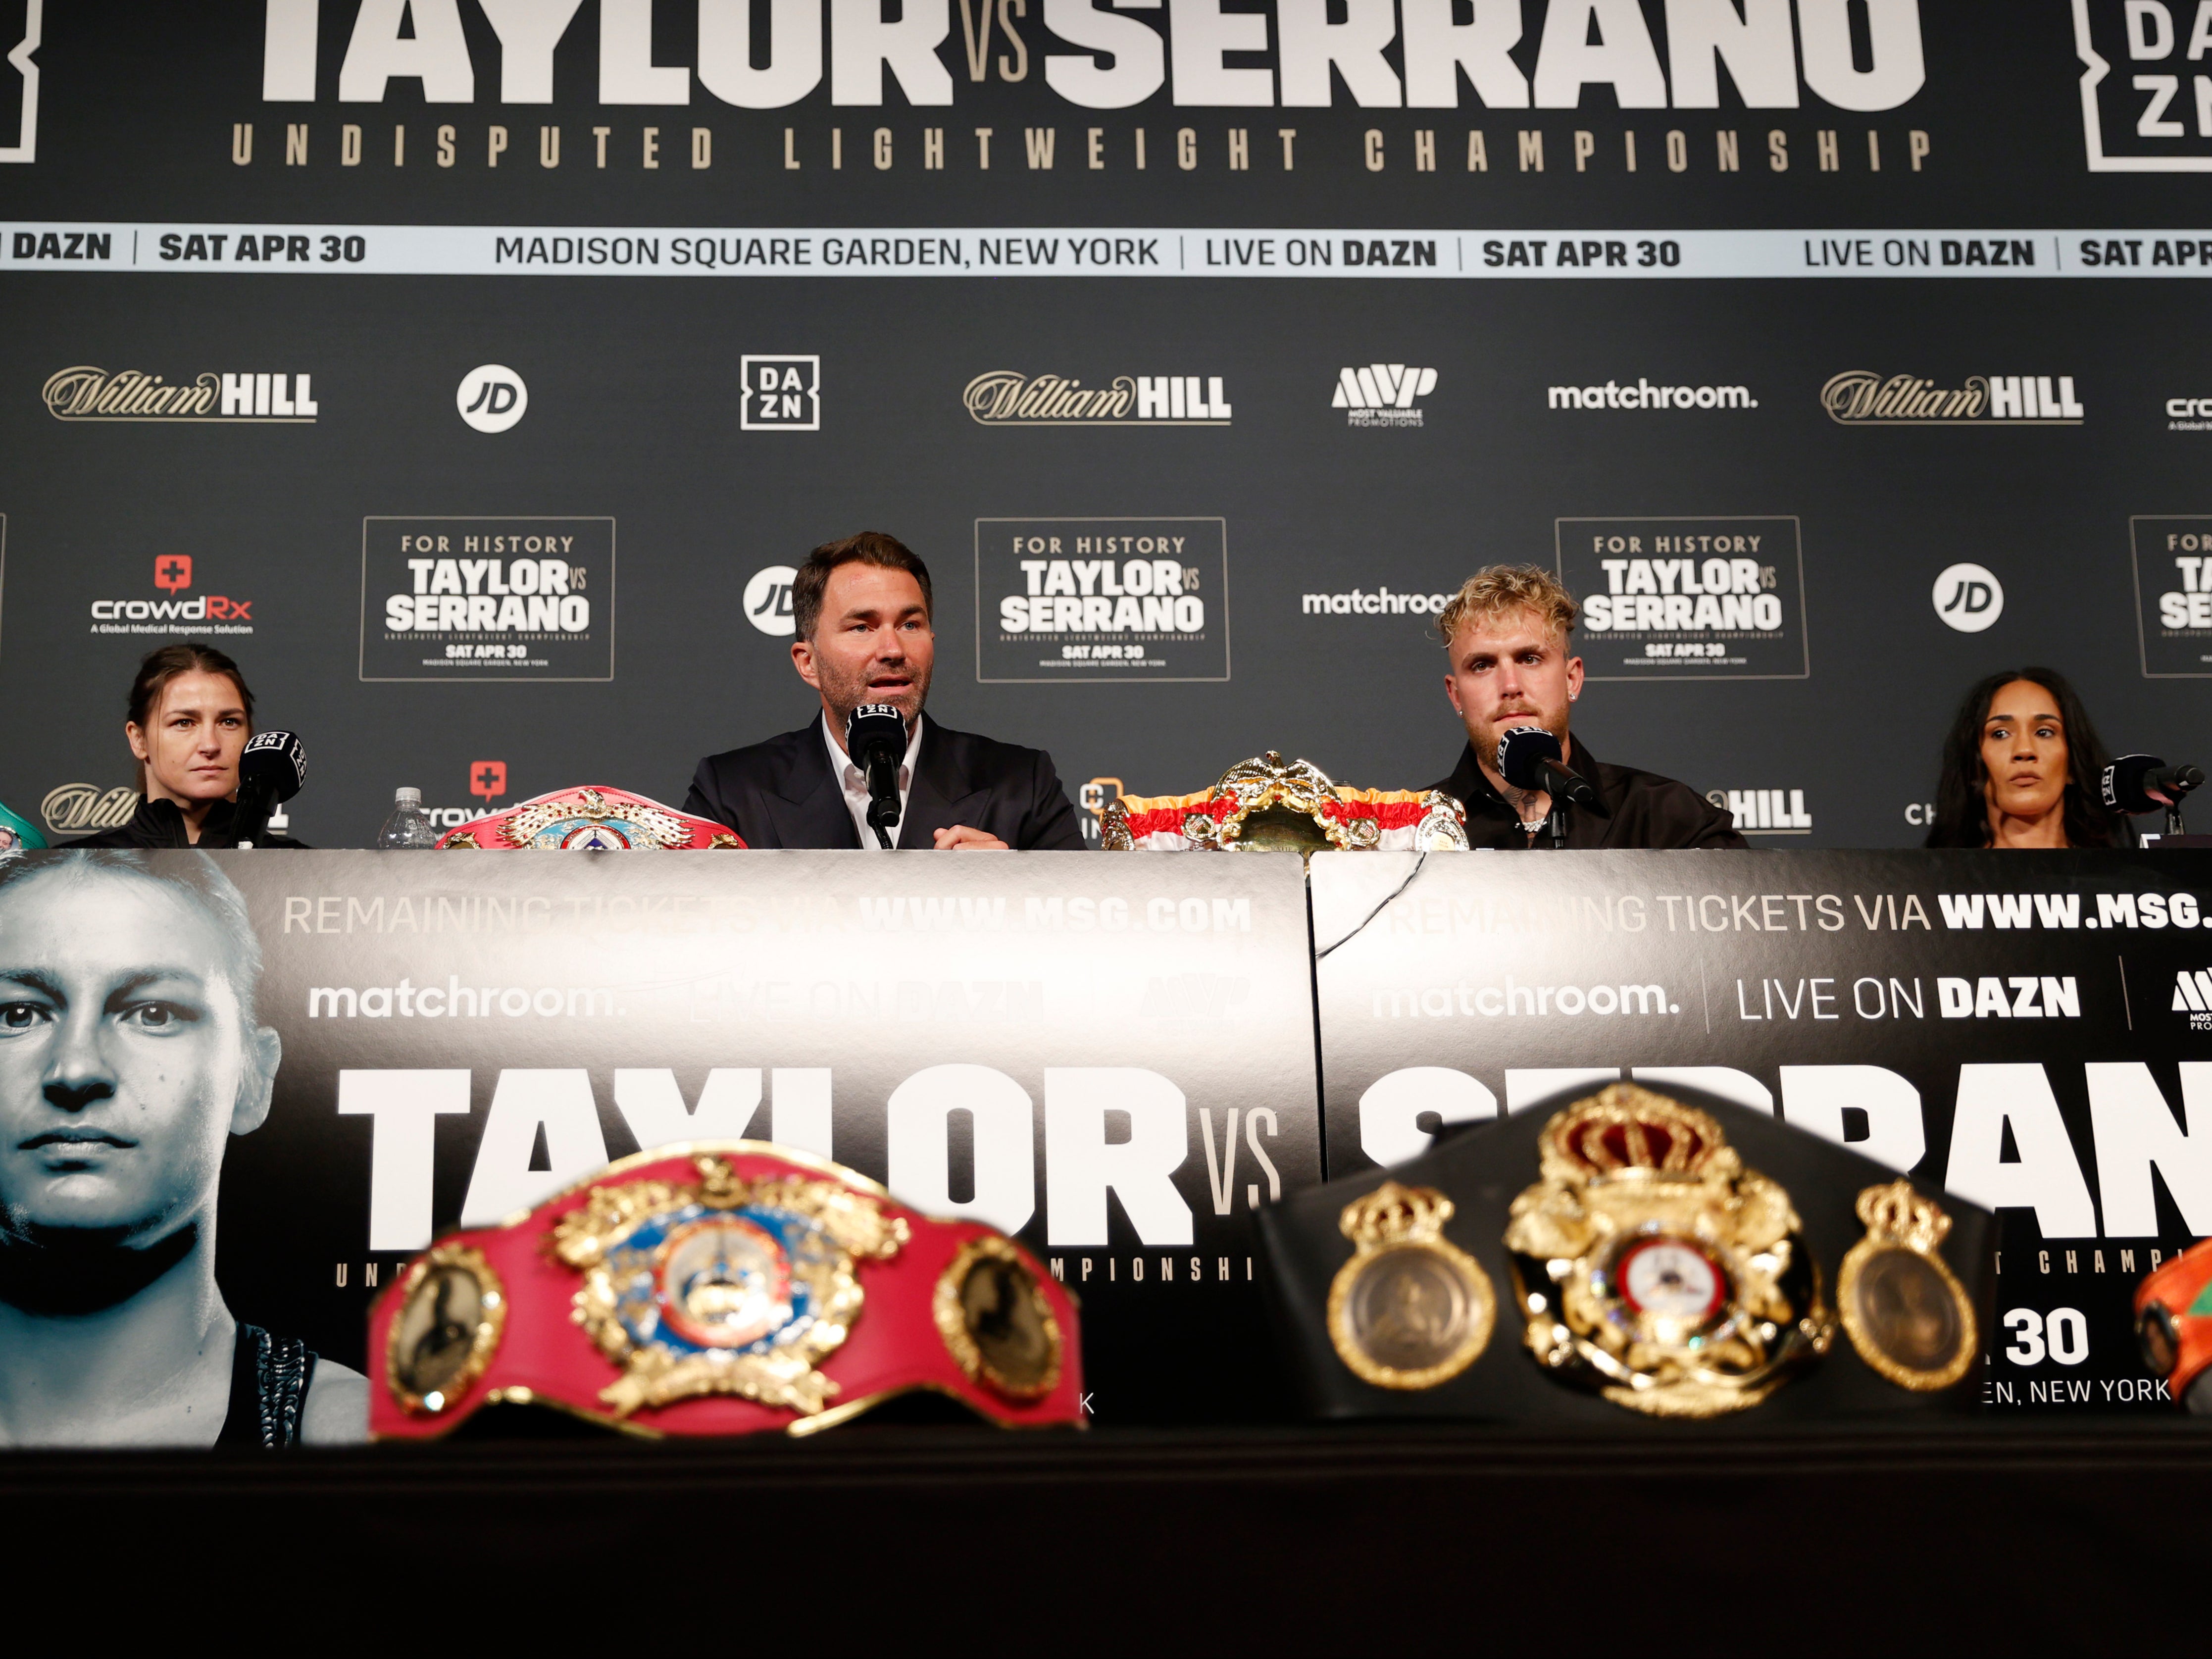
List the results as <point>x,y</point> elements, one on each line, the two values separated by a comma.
<point>1503,589</point>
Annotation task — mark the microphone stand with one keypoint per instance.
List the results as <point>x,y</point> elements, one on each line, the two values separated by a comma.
<point>1557,824</point>
<point>879,813</point>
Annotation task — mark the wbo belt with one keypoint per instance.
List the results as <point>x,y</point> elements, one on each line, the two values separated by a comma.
<point>717,1288</point>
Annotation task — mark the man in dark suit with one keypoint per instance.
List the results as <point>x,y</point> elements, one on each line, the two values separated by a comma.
<point>863,608</point>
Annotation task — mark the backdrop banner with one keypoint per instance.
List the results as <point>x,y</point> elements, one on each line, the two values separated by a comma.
<point>2031,1033</point>
<point>1817,342</point>
<point>1111,1059</point>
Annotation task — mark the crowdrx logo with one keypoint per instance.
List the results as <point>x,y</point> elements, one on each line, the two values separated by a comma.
<point>1382,394</point>
<point>210,613</point>
<point>1861,397</point>
<point>86,392</point>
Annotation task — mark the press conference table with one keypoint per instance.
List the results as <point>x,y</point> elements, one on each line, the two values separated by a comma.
<point>1295,1539</point>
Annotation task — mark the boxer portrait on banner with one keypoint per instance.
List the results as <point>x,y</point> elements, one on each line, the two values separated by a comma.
<point>130,1052</point>
<point>862,608</point>
<point>1512,668</point>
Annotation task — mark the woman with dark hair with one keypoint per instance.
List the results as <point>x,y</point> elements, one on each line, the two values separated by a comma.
<point>2022,768</point>
<point>189,716</point>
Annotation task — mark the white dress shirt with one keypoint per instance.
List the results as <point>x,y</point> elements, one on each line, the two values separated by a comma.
<point>855,782</point>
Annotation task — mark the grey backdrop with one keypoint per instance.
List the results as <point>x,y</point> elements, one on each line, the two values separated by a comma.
<point>634,386</point>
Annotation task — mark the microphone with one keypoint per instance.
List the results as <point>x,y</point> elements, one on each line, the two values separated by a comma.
<point>270,769</point>
<point>875,737</point>
<point>1528,758</point>
<point>2129,780</point>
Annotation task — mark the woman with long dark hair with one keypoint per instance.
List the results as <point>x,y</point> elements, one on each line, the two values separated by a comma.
<point>2022,768</point>
<point>189,716</point>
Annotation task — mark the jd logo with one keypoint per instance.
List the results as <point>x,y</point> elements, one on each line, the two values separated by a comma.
<point>768,600</point>
<point>172,572</point>
<point>487,779</point>
<point>1968,597</point>
<point>492,398</point>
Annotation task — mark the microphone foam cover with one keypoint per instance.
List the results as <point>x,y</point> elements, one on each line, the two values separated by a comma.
<point>1520,754</point>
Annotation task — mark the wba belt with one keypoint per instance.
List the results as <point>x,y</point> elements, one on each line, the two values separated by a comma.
<point>727,1287</point>
<point>1674,1260</point>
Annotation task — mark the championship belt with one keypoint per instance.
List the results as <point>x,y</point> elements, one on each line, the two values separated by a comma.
<point>2173,1322</point>
<point>1268,805</point>
<point>591,819</point>
<point>18,834</point>
<point>1652,1266</point>
<point>1671,1259</point>
<point>723,1287</point>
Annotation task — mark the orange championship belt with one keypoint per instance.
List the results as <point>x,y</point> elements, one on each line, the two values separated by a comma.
<point>719,1288</point>
<point>589,818</point>
<point>2173,1322</point>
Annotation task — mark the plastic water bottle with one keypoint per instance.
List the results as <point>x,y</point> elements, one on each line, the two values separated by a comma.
<point>409,826</point>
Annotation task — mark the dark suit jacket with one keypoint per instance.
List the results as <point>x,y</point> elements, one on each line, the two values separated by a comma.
<point>782,793</point>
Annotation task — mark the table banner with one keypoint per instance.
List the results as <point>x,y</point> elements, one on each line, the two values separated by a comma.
<point>2035,1033</point>
<point>1111,1059</point>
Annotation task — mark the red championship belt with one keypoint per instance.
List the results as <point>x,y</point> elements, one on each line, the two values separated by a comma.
<point>722,1287</point>
<point>589,818</point>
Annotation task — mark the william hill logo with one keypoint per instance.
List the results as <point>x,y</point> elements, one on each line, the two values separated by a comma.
<point>1860,397</point>
<point>1006,397</point>
<point>85,392</point>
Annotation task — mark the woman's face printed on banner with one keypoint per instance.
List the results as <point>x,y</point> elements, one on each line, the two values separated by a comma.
<point>126,1058</point>
<point>2024,754</point>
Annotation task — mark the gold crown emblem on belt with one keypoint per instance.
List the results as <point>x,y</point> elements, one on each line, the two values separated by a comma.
<point>1653,1268</point>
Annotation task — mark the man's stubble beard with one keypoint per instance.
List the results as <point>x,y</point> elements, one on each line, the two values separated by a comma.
<point>846,693</point>
<point>1497,731</point>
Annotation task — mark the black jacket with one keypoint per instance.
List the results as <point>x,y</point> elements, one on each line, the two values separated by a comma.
<point>782,793</point>
<point>1643,810</point>
<point>159,823</point>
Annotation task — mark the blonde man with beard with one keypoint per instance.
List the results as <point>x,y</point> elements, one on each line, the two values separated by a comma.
<point>1510,665</point>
